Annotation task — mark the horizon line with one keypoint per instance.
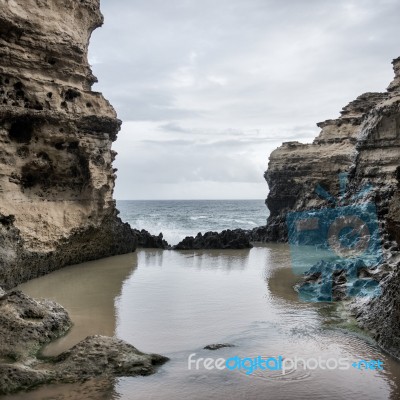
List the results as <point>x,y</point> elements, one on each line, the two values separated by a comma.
<point>186,199</point>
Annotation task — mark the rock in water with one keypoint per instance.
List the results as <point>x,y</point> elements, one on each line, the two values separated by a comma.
<point>146,240</point>
<point>27,324</point>
<point>56,186</point>
<point>228,239</point>
<point>103,355</point>
<point>217,346</point>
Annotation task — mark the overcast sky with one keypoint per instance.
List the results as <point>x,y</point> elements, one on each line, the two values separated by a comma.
<point>207,89</point>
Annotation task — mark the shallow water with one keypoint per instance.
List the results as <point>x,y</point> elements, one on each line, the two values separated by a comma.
<point>175,303</point>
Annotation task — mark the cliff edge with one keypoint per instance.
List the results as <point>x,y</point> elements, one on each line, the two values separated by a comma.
<point>57,178</point>
<point>364,143</point>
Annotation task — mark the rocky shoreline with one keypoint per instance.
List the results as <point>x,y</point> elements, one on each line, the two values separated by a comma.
<point>227,239</point>
<point>364,144</point>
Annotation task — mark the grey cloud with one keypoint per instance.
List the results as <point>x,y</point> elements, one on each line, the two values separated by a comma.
<point>164,164</point>
<point>233,76</point>
<point>178,128</point>
<point>172,127</point>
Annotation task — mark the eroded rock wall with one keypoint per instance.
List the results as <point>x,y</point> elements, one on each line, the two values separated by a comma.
<point>295,169</point>
<point>56,173</point>
<point>365,143</point>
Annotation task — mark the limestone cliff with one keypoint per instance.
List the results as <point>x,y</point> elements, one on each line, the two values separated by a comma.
<point>57,179</point>
<point>364,142</point>
<point>296,169</point>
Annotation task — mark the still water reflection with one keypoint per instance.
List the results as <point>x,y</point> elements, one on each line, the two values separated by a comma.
<point>175,303</point>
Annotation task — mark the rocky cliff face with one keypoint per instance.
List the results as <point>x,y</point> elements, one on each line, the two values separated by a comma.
<point>365,143</point>
<point>57,179</point>
<point>296,169</point>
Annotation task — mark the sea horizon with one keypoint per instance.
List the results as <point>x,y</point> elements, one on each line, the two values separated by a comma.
<point>227,199</point>
<point>177,219</point>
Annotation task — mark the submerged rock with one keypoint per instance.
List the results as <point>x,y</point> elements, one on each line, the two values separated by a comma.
<point>228,239</point>
<point>217,346</point>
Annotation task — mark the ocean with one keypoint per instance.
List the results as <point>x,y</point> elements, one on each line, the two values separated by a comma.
<point>177,219</point>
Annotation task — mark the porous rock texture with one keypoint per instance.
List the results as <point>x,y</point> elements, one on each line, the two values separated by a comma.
<point>227,239</point>
<point>57,178</point>
<point>146,240</point>
<point>27,324</point>
<point>365,143</point>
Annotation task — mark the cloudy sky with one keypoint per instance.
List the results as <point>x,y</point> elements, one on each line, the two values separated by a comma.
<point>208,88</point>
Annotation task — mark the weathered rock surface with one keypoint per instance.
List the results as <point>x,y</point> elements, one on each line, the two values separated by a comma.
<point>258,234</point>
<point>103,355</point>
<point>295,169</point>
<point>327,282</point>
<point>57,178</point>
<point>146,240</point>
<point>365,143</point>
<point>228,239</point>
<point>27,324</point>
